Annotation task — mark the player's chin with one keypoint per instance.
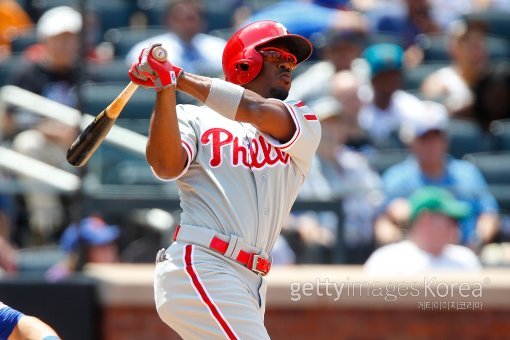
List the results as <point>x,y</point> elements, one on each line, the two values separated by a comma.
<point>279,92</point>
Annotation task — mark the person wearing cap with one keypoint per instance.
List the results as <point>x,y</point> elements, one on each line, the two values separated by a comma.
<point>53,74</point>
<point>387,106</point>
<point>453,84</point>
<point>431,242</point>
<point>89,241</point>
<point>430,164</point>
<point>339,172</point>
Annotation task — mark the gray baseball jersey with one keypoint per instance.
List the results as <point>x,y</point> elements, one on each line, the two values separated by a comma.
<point>238,180</point>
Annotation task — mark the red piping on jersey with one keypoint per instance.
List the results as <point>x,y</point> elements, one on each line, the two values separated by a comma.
<point>204,296</point>
<point>190,150</point>
<point>298,127</point>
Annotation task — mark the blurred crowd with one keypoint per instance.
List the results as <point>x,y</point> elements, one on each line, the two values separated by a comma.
<point>413,97</point>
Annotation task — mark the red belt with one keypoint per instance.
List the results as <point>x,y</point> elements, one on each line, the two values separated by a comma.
<point>252,261</point>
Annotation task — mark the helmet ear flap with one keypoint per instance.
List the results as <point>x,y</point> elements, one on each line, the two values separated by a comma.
<point>242,67</point>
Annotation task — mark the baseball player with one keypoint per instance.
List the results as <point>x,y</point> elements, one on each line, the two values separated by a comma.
<point>239,162</point>
<point>15,325</point>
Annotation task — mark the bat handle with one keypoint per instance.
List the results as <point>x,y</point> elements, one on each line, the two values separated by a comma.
<point>159,53</point>
<point>113,110</point>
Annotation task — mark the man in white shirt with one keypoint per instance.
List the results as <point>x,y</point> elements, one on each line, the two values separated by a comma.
<point>431,242</point>
<point>188,46</point>
<point>388,107</point>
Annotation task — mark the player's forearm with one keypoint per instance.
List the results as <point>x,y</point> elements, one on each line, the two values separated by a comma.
<point>164,149</point>
<point>269,116</point>
<point>31,328</point>
<point>195,85</point>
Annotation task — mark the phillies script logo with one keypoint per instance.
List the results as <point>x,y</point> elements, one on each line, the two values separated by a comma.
<point>259,154</point>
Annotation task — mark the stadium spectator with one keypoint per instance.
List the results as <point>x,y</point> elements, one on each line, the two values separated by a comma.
<point>7,248</point>
<point>430,164</point>
<point>337,51</point>
<point>188,45</point>
<point>417,20</point>
<point>388,107</point>
<point>55,75</point>
<point>492,95</point>
<point>319,19</point>
<point>339,173</point>
<point>453,84</point>
<point>13,21</point>
<point>431,241</point>
<point>89,241</point>
<point>346,87</point>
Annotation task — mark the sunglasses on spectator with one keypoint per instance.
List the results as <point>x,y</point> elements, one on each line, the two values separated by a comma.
<point>275,55</point>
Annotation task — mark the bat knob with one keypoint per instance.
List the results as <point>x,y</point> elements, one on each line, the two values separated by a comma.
<point>159,53</point>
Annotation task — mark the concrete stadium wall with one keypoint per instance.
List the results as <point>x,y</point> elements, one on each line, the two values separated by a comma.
<point>303,303</point>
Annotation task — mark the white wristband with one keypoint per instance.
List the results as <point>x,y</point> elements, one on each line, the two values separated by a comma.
<point>224,98</point>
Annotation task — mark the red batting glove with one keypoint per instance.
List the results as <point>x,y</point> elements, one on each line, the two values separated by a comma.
<point>140,72</point>
<point>167,74</point>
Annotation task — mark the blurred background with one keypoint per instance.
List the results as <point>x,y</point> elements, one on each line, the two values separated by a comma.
<point>410,94</point>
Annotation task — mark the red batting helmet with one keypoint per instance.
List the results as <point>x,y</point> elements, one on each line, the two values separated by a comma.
<point>241,61</point>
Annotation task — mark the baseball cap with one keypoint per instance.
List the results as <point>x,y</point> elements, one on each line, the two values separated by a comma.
<point>91,230</point>
<point>383,57</point>
<point>438,200</point>
<point>59,20</point>
<point>432,116</point>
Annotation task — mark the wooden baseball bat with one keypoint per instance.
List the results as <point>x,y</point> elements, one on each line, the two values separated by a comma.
<point>89,139</point>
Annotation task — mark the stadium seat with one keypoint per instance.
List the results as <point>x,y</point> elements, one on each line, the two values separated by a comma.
<point>22,41</point>
<point>498,23</point>
<point>495,168</point>
<point>9,66</point>
<point>466,136</point>
<point>380,160</point>
<point>413,77</point>
<point>96,97</point>
<point>108,13</point>
<point>112,71</point>
<point>500,129</point>
<point>124,38</point>
<point>114,166</point>
<point>435,49</point>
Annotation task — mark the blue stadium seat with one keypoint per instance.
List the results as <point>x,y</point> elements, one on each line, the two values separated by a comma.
<point>22,41</point>
<point>112,71</point>
<point>435,49</point>
<point>9,66</point>
<point>466,136</point>
<point>124,38</point>
<point>495,168</point>
<point>498,23</point>
<point>500,129</point>
<point>413,77</point>
<point>96,97</point>
<point>380,160</point>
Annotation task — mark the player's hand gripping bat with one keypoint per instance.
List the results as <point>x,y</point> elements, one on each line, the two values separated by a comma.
<point>89,139</point>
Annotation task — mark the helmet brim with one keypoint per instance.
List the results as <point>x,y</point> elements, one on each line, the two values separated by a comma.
<point>299,46</point>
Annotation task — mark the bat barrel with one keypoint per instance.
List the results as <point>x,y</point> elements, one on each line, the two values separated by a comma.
<point>89,140</point>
